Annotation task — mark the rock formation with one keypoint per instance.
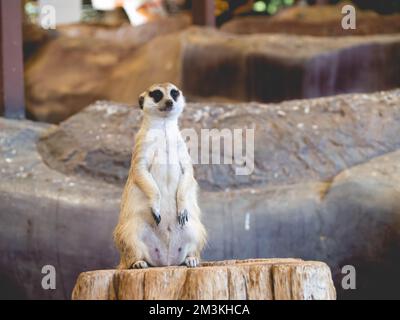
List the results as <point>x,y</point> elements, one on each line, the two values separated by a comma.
<point>71,70</point>
<point>325,187</point>
<point>322,21</point>
<point>302,140</point>
<point>119,63</point>
<point>209,64</point>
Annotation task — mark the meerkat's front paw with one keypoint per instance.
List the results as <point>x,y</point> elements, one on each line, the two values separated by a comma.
<point>192,262</point>
<point>183,217</point>
<point>156,215</point>
<point>140,265</point>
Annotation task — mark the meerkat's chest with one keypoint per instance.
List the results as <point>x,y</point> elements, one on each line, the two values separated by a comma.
<point>165,165</point>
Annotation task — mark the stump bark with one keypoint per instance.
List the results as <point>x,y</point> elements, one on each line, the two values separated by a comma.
<point>255,279</point>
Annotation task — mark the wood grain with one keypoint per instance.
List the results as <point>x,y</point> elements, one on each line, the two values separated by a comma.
<point>254,279</point>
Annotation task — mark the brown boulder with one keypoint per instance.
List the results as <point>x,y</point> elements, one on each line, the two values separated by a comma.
<point>125,34</point>
<point>301,141</point>
<point>315,21</point>
<point>320,13</point>
<point>207,63</point>
<point>118,64</point>
<point>71,71</point>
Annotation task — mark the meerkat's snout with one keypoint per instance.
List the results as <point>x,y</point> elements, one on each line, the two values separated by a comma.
<point>169,104</point>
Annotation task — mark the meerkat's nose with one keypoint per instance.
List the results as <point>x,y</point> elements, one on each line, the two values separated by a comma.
<point>169,103</point>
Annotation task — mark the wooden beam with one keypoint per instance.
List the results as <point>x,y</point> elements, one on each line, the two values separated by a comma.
<point>12,104</point>
<point>203,12</point>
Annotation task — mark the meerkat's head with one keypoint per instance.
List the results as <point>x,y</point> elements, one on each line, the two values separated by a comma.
<point>162,100</point>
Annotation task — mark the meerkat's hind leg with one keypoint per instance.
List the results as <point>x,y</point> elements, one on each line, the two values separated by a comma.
<point>139,265</point>
<point>192,262</point>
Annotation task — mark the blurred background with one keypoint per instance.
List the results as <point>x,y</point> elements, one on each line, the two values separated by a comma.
<point>101,44</point>
<point>324,102</point>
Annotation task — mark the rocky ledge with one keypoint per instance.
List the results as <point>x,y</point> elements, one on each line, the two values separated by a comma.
<point>297,141</point>
<point>323,21</point>
<point>207,64</point>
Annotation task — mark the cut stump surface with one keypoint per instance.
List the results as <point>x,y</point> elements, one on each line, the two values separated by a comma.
<point>255,279</point>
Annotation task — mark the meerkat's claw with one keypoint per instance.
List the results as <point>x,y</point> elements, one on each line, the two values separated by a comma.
<point>140,265</point>
<point>192,262</point>
<point>156,215</point>
<point>183,217</point>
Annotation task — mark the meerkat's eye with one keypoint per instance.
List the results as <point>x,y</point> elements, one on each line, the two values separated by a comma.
<point>175,94</point>
<point>157,95</point>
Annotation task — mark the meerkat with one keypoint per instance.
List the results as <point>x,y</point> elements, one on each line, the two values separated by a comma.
<point>159,222</point>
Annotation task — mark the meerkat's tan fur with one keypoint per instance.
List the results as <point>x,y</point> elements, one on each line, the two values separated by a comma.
<point>159,223</point>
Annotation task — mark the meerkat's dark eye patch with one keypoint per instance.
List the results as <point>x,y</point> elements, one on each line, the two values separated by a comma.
<point>157,95</point>
<point>141,102</point>
<point>175,94</point>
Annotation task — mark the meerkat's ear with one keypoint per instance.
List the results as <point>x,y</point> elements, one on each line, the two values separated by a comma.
<point>141,101</point>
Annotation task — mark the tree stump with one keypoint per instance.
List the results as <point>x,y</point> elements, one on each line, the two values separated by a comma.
<point>255,279</point>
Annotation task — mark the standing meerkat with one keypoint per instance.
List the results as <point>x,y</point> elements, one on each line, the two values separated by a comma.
<point>159,223</point>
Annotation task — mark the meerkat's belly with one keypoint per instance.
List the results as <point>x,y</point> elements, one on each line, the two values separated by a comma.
<point>169,243</point>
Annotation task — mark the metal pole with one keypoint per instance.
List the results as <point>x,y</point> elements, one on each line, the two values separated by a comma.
<point>203,12</point>
<point>12,104</point>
